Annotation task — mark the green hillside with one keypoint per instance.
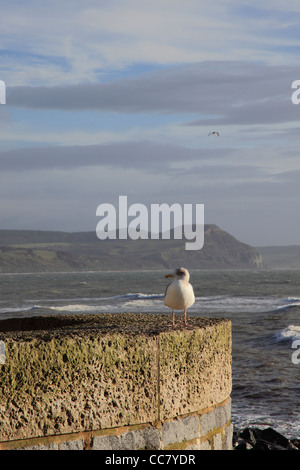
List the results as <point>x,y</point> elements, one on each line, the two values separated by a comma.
<point>40,251</point>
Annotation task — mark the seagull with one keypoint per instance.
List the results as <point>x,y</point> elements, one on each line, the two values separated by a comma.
<point>214,132</point>
<point>180,293</point>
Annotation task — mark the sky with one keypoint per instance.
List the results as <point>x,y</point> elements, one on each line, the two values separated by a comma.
<point>107,98</point>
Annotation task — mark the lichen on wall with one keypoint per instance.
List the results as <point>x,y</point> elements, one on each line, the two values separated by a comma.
<point>68,374</point>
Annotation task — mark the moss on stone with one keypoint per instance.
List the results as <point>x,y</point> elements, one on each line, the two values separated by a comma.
<point>77,373</point>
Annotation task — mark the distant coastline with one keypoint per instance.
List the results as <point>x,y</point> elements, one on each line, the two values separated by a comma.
<point>280,257</point>
<point>55,251</point>
<point>46,251</point>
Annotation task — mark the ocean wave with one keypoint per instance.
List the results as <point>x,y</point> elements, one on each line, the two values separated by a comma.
<point>291,332</point>
<point>75,307</point>
<point>133,305</point>
<point>231,304</point>
<point>129,296</point>
<point>96,299</point>
<point>242,419</point>
<point>288,303</point>
<point>14,309</point>
<point>285,307</point>
<point>79,308</point>
<point>293,299</point>
<point>141,302</point>
<point>140,296</point>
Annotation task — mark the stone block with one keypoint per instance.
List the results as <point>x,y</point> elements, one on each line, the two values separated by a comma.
<point>41,447</point>
<point>2,352</point>
<point>194,446</point>
<point>217,441</point>
<point>178,430</point>
<point>207,422</point>
<point>228,437</point>
<point>205,445</point>
<point>139,439</point>
<point>76,444</point>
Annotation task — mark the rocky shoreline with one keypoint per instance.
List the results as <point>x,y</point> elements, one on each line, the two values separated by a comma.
<point>263,439</point>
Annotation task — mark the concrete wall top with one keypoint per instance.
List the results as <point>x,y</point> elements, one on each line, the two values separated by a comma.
<point>66,374</point>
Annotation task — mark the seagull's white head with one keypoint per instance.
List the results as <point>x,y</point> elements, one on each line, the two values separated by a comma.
<point>180,273</point>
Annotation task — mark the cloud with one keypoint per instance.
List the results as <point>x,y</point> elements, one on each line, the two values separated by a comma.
<point>71,42</point>
<point>111,98</point>
<point>221,92</point>
<point>142,155</point>
<point>59,188</point>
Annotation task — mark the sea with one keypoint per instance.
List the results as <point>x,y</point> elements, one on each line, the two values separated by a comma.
<point>263,306</point>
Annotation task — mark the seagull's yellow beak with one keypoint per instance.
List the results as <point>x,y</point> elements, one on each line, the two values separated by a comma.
<point>169,275</point>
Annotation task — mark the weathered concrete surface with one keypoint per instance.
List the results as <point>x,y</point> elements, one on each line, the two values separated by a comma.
<point>68,374</point>
<point>195,369</point>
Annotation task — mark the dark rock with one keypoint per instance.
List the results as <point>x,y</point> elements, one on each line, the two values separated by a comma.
<point>265,445</point>
<point>296,443</point>
<point>263,439</point>
<point>270,435</point>
<point>242,445</point>
<point>251,436</point>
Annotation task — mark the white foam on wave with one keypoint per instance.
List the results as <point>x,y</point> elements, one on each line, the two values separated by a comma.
<point>236,304</point>
<point>14,309</point>
<point>243,418</point>
<point>130,301</point>
<point>75,308</point>
<point>289,303</point>
<point>294,299</point>
<point>141,296</point>
<point>153,302</point>
<point>143,303</point>
<point>291,332</point>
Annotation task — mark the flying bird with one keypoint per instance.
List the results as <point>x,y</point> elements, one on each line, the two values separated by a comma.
<point>180,293</point>
<point>214,132</point>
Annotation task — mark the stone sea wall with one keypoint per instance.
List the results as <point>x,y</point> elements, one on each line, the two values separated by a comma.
<point>115,382</point>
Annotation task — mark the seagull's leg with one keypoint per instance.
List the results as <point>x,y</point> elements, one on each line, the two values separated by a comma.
<point>173,318</point>
<point>185,320</point>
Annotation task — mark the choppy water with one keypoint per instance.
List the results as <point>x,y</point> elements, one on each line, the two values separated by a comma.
<point>264,307</point>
